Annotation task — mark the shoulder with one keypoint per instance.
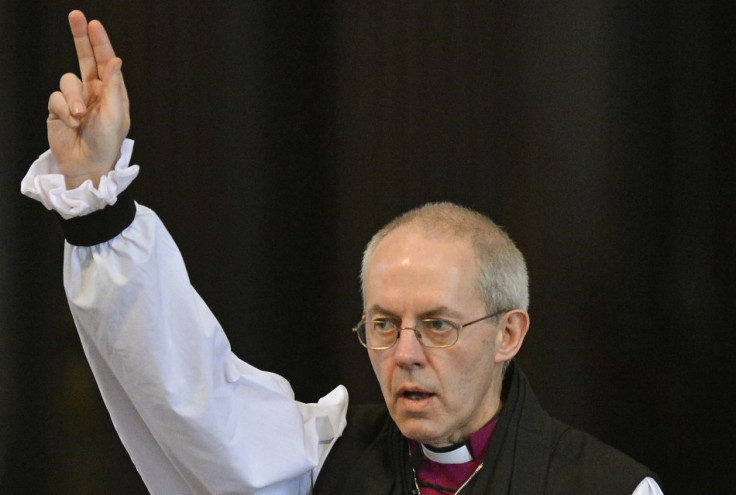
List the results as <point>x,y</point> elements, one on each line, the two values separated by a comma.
<point>582,461</point>
<point>568,459</point>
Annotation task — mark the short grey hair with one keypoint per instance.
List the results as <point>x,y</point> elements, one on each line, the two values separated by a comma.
<point>503,281</point>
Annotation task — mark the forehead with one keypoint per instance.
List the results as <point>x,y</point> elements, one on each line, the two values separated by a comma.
<point>412,267</point>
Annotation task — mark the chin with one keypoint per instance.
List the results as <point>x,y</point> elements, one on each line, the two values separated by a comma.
<point>422,431</point>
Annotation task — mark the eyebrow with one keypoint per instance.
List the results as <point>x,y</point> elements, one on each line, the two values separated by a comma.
<point>377,308</point>
<point>441,312</point>
<point>438,312</point>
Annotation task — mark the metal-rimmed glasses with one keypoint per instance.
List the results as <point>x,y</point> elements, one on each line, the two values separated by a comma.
<point>437,333</point>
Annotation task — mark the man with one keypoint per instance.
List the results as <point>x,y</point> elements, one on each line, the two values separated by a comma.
<point>445,312</point>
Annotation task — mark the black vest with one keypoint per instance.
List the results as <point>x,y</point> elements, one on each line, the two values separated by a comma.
<point>530,453</point>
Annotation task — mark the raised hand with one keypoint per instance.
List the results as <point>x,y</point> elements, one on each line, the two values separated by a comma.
<point>89,117</point>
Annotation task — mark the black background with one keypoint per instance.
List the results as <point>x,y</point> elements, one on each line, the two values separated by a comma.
<point>276,137</point>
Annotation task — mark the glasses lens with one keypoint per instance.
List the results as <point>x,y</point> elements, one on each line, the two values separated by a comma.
<point>378,334</point>
<point>437,333</point>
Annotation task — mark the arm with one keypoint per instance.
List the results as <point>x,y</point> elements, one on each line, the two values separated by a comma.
<point>182,403</point>
<point>194,418</point>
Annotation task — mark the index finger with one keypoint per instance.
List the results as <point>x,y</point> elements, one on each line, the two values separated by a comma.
<point>93,46</point>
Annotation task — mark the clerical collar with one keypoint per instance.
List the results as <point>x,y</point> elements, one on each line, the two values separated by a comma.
<point>472,449</point>
<point>455,454</point>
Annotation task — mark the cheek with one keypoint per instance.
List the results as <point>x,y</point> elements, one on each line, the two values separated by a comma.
<point>489,346</point>
<point>380,368</point>
<point>474,371</point>
<point>488,342</point>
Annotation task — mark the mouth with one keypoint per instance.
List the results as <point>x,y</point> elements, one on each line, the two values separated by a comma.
<point>415,395</point>
<point>415,401</point>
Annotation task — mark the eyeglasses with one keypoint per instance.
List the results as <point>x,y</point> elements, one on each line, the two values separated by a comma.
<point>383,333</point>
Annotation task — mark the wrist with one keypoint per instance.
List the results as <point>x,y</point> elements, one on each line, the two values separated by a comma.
<point>75,182</point>
<point>48,183</point>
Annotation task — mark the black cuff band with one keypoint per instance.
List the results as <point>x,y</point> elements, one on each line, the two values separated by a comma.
<point>101,225</point>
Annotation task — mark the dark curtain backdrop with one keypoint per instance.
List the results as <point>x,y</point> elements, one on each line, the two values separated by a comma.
<point>276,137</point>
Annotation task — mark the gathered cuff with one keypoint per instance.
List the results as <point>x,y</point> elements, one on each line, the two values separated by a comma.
<point>46,184</point>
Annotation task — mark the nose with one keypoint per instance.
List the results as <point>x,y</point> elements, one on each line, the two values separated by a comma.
<point>408,351</point>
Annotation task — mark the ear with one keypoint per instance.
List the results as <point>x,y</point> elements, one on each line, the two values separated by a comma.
<point>513,328</point>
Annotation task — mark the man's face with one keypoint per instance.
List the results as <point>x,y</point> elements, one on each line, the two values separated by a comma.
<point>435,396</point>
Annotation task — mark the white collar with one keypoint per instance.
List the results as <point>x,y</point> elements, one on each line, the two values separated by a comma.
<point>456,456</point>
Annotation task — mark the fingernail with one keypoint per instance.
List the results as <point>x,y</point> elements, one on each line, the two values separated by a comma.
<point>77,108</point>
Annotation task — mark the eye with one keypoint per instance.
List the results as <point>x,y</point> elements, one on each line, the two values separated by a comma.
<point>383,325</point>
<point>436,325</point>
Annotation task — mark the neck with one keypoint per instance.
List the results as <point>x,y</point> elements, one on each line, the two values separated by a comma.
<point>454,442</point>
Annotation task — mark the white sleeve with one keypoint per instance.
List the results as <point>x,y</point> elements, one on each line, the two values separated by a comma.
<point>193,417</point>
<point>648,487</point>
